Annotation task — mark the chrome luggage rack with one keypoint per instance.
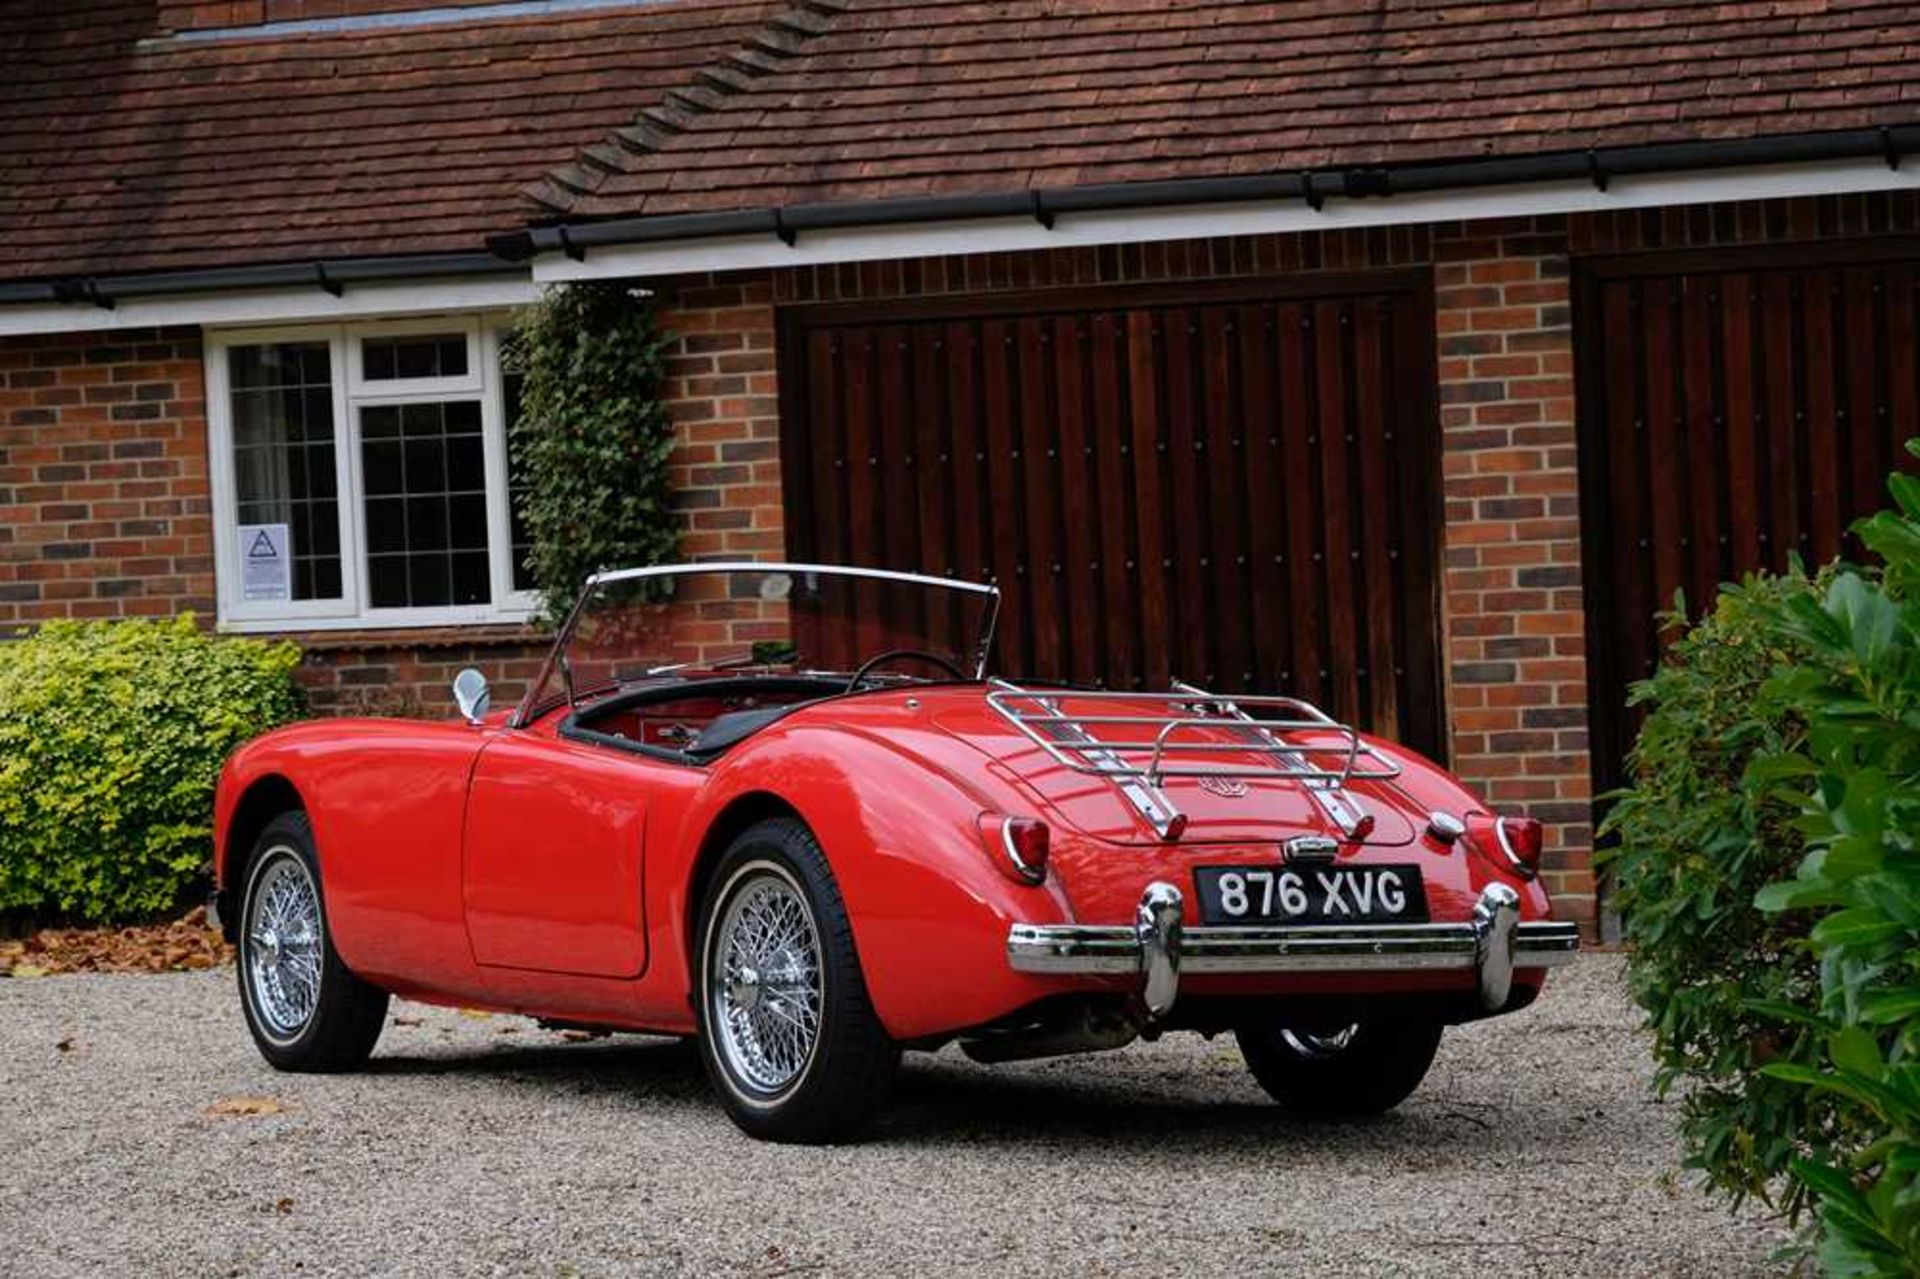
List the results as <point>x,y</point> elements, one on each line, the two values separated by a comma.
<point>1271,745</point>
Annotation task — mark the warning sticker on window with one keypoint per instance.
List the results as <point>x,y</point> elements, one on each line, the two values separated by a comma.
<point>266,562</point>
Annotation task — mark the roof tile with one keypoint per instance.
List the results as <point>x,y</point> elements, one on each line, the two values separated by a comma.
<point>124,149</point>
<point>926,97</point>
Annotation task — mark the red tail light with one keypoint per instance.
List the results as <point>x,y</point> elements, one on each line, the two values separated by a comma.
<point>1514,843</point>
<point>1017,845</point>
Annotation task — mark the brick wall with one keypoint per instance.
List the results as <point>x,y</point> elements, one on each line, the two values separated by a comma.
<point>104,507</point>
<point>1516,637</point>
<point>411,672</point>
<point>207,15</point>
<point>725,410</point>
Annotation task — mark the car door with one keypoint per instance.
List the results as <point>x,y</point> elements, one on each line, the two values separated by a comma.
<point>553,851</point>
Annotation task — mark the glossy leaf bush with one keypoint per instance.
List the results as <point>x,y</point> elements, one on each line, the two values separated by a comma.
<point>1690,846</point>
<point>592,437</point>
<point>112,735</point>
<point>1857,888</point>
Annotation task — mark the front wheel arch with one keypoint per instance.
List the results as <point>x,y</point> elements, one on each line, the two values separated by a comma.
<point>265,799</point>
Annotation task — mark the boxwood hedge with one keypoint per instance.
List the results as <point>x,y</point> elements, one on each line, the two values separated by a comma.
<point>111,737</point>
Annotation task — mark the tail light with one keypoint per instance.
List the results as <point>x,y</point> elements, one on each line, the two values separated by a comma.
<point>1514,843</point>
<point>1017,845</point>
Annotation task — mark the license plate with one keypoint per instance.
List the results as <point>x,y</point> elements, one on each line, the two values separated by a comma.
<point>1310,894</point>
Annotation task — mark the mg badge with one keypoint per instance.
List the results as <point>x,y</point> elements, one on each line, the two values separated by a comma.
<point>1224,787</point>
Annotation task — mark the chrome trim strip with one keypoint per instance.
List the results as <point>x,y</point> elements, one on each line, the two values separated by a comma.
<point>1302,948</point>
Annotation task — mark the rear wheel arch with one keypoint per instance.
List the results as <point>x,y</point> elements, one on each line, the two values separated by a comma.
<point>265,798</point>
<point>740,813</point>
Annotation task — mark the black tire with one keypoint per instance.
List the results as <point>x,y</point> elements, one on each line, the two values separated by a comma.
<point>850,1065</point>
<point>346,1014</point>
<point>1318,1076</point>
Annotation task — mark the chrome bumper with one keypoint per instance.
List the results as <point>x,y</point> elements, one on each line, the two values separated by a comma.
<point>1158,948</point>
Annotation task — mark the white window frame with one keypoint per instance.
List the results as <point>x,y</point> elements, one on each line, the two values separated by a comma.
<point>351,391</point>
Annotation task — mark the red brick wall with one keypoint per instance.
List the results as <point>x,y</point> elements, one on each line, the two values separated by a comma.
<point>725,410</point>
<point>206,15</point>
<point>1516,642</point>
<point>104,507</point>
<point>1219,258</point>
<point>411,672</point>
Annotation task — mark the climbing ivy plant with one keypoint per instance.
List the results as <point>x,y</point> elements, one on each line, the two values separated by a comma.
<point>592,438</point>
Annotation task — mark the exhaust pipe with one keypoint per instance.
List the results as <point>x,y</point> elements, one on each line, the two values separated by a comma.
<point>1090,1030</point>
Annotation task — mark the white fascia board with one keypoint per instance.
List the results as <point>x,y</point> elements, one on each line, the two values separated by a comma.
<point>1202,221</point>
<point>296,305</point>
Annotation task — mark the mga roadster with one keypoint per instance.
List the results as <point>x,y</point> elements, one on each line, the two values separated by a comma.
<point>782,808</point>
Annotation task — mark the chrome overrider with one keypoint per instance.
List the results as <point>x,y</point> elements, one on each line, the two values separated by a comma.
<point>1158,947</point>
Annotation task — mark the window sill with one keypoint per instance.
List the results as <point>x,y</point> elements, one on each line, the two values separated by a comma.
<point>362,636</point>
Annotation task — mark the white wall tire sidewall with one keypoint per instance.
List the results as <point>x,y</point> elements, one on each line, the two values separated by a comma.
<point>710,930</point>
<point>262,862</point>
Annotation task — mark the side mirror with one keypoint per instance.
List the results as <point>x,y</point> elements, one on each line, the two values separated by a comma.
<point>470,694</point>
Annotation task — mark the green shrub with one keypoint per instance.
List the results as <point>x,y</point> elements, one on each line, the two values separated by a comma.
<point>1857,889</point>
<point>1693,846</point>
<point>111,738</point>
<point>592,437</point>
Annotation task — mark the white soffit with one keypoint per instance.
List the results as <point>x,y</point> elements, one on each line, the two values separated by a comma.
<point>284,305</point>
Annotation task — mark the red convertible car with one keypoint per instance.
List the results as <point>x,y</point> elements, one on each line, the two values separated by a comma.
<point>781,808</point>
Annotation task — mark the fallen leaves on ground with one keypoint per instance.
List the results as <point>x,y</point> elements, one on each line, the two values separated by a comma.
<point>243,1107</point>
<point>149,948</point>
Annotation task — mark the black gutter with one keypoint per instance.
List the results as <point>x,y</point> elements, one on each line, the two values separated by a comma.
<point>333,276</point>
<point>1596,165</point>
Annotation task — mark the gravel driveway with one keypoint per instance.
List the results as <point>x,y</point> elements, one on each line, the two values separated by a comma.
<point>487,1146</point>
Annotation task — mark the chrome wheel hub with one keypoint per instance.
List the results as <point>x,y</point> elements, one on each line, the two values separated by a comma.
<point>765,987</point>
<point>283,945</point>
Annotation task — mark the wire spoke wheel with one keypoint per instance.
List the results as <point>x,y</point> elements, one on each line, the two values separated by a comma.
<point>284,945</point>
<point>1309,1044</point>
<point>765,985</point>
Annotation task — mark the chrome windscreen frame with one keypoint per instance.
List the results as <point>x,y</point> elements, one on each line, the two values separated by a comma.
<point>526,712</point>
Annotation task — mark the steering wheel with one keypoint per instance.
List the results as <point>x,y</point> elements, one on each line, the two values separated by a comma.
<point>894,655</point>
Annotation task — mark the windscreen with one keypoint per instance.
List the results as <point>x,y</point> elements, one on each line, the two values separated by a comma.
<point>778,619</point>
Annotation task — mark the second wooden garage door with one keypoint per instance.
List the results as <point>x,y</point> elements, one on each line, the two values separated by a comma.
<point>1235,487</point>
<point>1737,408</point>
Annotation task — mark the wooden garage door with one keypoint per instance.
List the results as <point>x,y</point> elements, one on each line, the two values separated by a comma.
<point>1734,408</point>
<point>1235,487</point>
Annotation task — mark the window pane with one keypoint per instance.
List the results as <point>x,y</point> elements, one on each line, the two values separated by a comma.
<point>283,458</point>
<point>424,355</point>
<point>516,486</point>
<point>423,467</point>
